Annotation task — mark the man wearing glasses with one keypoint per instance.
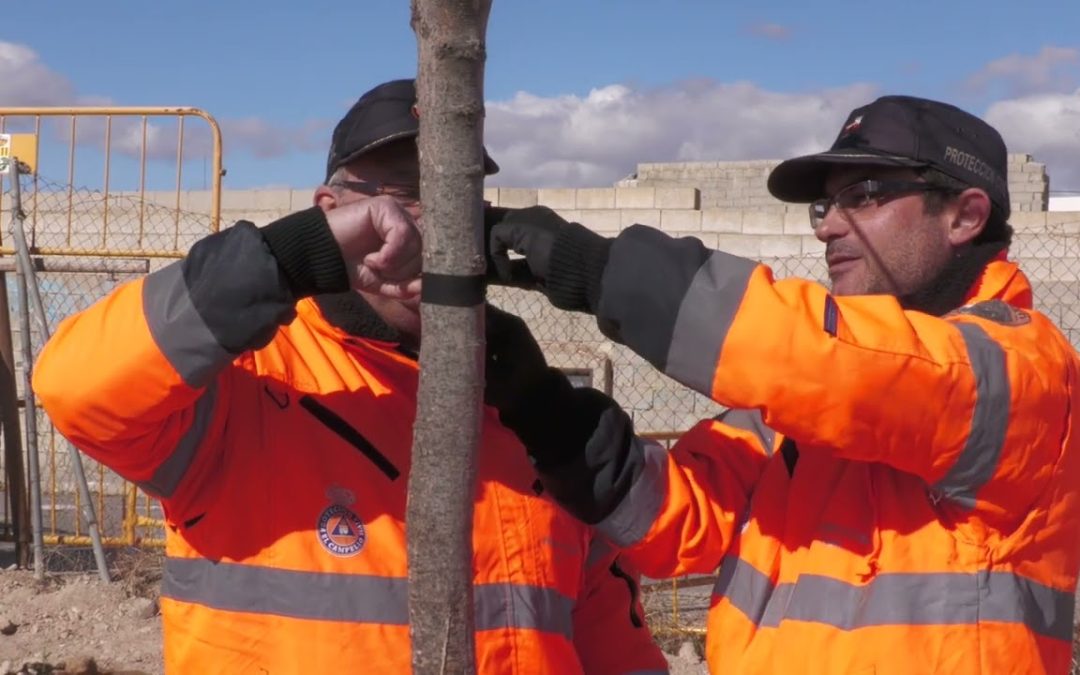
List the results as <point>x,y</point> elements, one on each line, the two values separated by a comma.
<point>895,487</point>
<point>264,388</point>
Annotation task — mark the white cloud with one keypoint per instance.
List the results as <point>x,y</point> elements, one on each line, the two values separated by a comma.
<point>599,138</point>
<point>27,82</point>
<point>1053,69</point>
<point>1046,126</point>
<point>770,31</point>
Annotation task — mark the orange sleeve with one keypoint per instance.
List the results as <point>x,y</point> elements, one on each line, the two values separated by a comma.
<point>682,512</point>
<point>611,635</point>
<point>958,401</point>
<point>109,389</point>
<point>141,380</point>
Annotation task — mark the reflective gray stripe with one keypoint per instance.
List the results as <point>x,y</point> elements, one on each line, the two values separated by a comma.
<point>351,597</point>
<point>519,606</point>
<point>599,548</point>
<point>637,511</point>
<point>750,420</point>
<point>705,316</point>
<point>989,420</point>
<point>747,588</point>
<point>172,470</point>
<point>938,598</point>
<point>178,330</point>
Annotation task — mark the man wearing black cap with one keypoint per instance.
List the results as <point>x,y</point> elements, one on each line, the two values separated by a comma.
<point>895,487</point>
<point>264,388</point>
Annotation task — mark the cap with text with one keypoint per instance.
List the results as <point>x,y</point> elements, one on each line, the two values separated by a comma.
<point>904,131</point>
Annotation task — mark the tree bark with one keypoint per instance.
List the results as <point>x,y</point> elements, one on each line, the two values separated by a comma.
<point>439,516</point>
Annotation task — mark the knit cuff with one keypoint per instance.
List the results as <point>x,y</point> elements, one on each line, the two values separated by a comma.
<point>578,258</point>
<point>307,253</point>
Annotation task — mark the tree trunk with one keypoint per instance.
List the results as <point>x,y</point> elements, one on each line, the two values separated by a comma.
<point>439,516</point>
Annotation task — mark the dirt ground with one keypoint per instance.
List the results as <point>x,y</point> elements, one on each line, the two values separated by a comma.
<point>73,624</point>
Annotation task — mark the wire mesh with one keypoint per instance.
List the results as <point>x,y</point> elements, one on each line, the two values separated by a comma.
<point>59,216</point>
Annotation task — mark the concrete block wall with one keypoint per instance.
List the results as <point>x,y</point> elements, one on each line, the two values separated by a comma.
<point>742,184</point>
<point>731,213</point>
<point>1029,184</point>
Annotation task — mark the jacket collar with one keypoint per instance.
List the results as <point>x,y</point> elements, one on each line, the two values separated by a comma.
<point>1001,279</point>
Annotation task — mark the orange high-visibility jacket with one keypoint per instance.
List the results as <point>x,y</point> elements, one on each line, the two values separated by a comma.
<point>891,492</point>
<point>283,473</point>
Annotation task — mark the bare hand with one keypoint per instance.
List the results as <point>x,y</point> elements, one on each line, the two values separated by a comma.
<point>381,245</point>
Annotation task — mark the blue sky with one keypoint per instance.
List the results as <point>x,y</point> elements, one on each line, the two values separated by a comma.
<point>578,91</point>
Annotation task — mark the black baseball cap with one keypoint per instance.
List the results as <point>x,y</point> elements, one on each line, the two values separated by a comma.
<point>384,114</point>
<point>904,131</point>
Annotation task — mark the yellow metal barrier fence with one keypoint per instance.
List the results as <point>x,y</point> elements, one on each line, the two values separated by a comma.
<point>75,217</point>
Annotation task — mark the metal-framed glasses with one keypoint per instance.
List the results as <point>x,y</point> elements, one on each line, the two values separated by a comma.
<point>866,193</point>
<point>404,193</point>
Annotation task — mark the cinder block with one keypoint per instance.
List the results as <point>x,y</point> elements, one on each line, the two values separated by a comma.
<point>256,200</point>
<point>259,218</point>
<point>781,246</point>
<point>570,215</point>
<point>1063,222</point>
<point>635,198</point>
<point>797,221</point>
<point>596,198</point>
<point>745,245</point>
<point>680,220</point>
<point>721,220</point>
<point>517,198</point>
<point>674,397</point>
<point>678,198</point>
<point>1067,269</point>
<point>301,199</point>
<point>812,246</point>
<point>763,221</point>
<point>557,198</point>
<point>1028,222</point>
<point>650,217</point>
<point>605,221</point>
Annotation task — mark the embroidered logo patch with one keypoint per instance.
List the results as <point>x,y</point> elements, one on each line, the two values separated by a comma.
<point>997,311</point>
<point>340,531</point>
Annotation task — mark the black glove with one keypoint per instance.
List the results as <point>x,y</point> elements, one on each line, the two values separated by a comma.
<point>515,366</point>
<point>530,232</point>
<point>565,259</point>
<point>553,420</point>
<point>504,271</point>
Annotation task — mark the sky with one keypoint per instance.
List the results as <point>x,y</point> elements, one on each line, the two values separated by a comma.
<point>577,91</point>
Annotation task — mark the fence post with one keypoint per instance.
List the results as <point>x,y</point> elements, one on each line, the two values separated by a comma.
<point>15,475</point>
<point>29,291</point>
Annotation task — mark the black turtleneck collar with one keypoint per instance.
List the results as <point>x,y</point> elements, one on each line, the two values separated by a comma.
<point>950,289</point>
<point>352,314</point>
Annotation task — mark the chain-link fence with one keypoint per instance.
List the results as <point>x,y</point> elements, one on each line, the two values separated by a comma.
<point>58,216</point>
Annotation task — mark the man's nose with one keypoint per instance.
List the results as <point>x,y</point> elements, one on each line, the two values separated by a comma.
<point>834,225</point>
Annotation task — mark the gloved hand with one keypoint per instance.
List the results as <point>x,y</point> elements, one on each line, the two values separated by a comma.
<point>565,259</point>
<point>501,269</point>
<point>516,367</point>
<point>531,232</point>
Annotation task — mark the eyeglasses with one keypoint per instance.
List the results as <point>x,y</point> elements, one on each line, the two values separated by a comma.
<point>866,193</point>
<point>404,193</point>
